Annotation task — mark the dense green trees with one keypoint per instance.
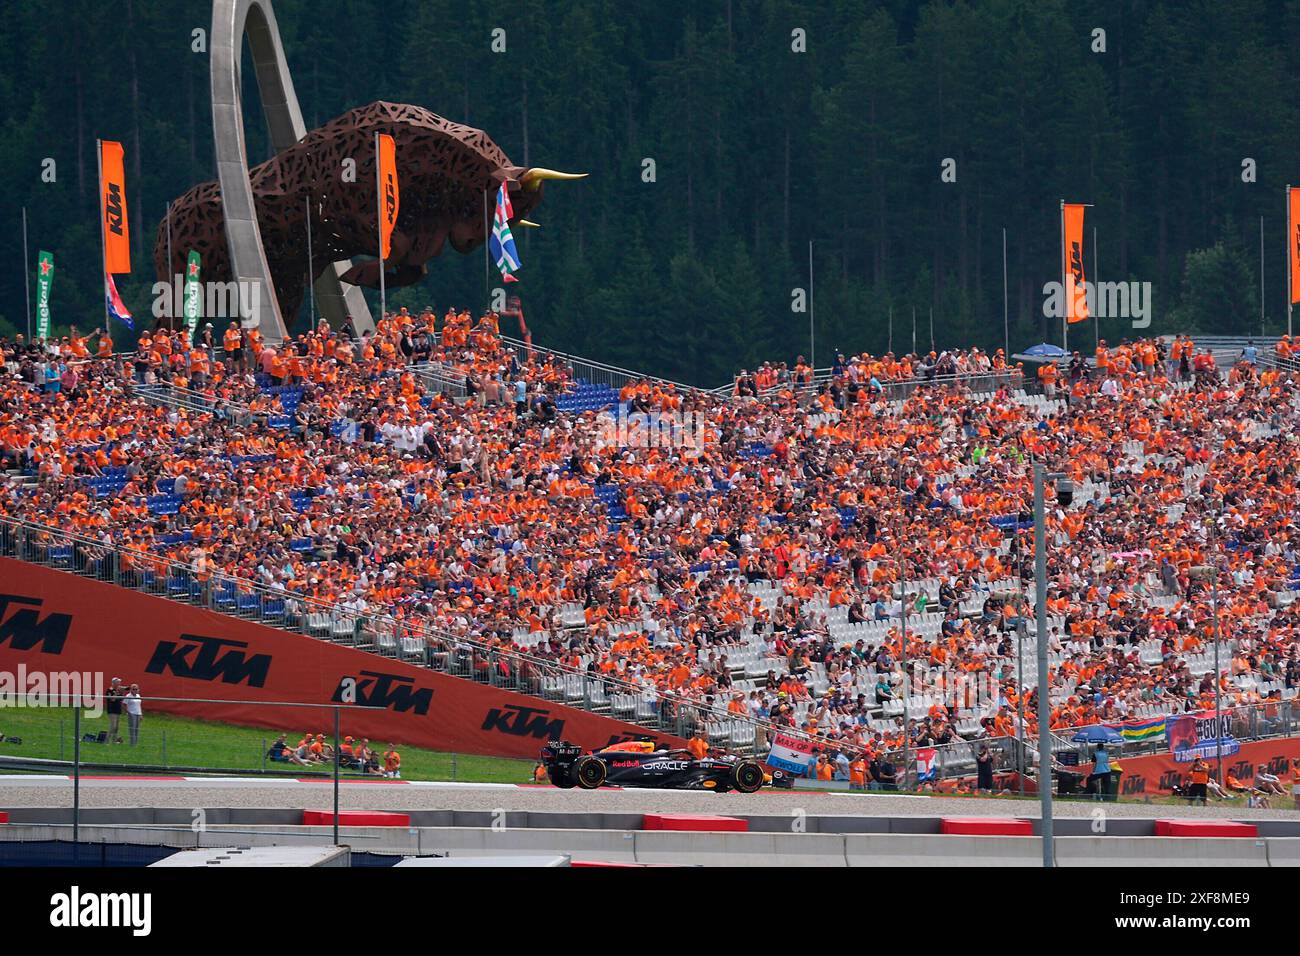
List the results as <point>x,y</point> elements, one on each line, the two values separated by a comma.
<point>757,150</point>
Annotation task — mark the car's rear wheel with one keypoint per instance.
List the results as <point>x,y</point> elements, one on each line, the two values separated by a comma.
<point>589,772</point>
<point>747,776</point>
<point>562,777</point>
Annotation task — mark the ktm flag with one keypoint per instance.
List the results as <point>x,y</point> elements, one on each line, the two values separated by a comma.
<point>1076,299</point>
<point>112,208</point>
<point>1293,240</point>
<point>388,195</point>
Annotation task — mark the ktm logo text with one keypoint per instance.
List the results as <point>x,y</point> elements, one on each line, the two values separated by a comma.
<point>390,199</point>
<point>377,689</point>
<point>201,658</point>
<point>24,630</point>
<point>521,721</point>
<point>113,209</point>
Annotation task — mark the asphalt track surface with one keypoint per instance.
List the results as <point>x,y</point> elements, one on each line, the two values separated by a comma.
<point>365,795</point>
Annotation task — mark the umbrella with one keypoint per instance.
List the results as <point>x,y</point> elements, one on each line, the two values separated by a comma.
<point>1097,734</point>
<point>1046,350</point>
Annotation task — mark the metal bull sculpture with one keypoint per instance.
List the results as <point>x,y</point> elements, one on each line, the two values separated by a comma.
<point>446,173</point>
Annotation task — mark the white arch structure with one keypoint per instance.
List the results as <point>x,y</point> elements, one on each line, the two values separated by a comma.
<point>230,20</point>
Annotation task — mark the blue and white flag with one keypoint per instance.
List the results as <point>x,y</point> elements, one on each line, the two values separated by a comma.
<point>502,242</point>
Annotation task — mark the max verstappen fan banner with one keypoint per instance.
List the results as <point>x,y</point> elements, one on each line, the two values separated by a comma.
<point>1156,775</point>
<point>1200,735</point>
<point>53,620</point>
<point>44,280</point>
<point>112,208</point>
<point>790,754</point>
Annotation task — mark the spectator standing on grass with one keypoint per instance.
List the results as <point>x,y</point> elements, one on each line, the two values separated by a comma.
<point>113,707</point>
<point>1100,776</point>
<point>392,763</point>
<point>134,713</point>
<point>1200,774</point>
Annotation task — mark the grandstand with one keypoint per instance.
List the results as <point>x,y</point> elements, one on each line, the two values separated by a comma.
<point>408,505</point>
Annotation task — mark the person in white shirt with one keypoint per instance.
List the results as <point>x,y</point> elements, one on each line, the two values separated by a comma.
<point>134,713</point>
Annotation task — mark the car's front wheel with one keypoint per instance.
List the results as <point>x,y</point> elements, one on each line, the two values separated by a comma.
<point>589,772</point>
<point>747,776</point>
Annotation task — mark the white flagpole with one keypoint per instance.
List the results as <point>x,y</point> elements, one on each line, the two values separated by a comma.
<point>311,272</point>
<point>891,330</point>
<point>913,330</point>
<point>1006,321</point>
<point>27,279</point>
<point>1261,275</point>
<point>103,246</point>
<point>172,323</point>
<point>812,324</point>
<point>1065,316</point>
<point>931,328</point>
<point>379,219</point>
<point>1096,299</point>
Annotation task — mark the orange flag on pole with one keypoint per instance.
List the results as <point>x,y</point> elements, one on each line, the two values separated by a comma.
<point>112,208</point>
<point>388,197</point>
<point>1076,299</point>
<point>1293,241</point>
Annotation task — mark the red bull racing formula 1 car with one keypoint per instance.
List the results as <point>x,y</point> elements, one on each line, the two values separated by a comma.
<point>639,764</point>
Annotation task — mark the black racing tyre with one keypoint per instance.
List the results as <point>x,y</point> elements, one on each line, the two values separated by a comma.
<point>589,772</point>
<point>747,776</point>
<point>561,777</point>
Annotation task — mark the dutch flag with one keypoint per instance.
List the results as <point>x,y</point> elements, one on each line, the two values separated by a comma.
<point>116,309</point>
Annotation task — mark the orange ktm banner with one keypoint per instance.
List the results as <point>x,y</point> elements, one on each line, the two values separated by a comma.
<point>217,667</point>
<point>388,195</point>
<point>112,208</point>
<point>1293,240</point>
<point>1076,300</point>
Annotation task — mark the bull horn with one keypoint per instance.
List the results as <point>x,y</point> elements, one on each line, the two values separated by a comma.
<point>530,179</point>
<point>527,222</point>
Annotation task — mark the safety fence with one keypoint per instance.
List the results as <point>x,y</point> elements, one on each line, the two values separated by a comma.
<point>592,371</point>
<point>973,382</point>
<point>173,396</point>
<point>444,378</point>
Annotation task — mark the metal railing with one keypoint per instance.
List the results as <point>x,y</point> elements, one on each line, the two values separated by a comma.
<point>975,382</point>
<point>593,371</point>
<point>443,377</point>
<point>172,396</point>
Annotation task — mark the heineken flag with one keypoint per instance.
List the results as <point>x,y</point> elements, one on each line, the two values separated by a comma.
<point>44,279</point>
<point>193,299</point>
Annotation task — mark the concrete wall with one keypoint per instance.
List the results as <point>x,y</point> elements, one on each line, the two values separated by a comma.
<point>710,849</point>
